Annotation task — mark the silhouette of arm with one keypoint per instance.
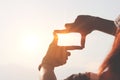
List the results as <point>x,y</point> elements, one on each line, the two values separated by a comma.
<point>47,72</point>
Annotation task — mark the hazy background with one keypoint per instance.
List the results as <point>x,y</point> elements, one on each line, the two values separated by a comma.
<point>26,28</point>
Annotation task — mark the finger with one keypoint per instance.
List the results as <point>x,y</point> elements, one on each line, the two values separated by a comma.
<point>61,51</point>
<point>73,47</point>
<point>55,39</point>
<point>61,31</point>
<point>68,53</point>
<point>83,41</point>
<point>39,67</point>
<point>62,56</point>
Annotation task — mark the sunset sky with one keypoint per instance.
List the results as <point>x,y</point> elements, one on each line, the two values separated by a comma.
<point>26,28</point>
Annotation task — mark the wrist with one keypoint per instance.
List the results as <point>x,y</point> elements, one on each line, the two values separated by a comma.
<point>46,66</point>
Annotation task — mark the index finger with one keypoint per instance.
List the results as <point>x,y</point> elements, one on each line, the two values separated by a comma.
<point>72,47</point>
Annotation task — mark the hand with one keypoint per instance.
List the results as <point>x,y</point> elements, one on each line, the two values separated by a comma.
<point>56,55</point>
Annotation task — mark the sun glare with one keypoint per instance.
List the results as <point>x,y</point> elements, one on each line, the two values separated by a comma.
<point>69,39</point>
<point>30,42</point>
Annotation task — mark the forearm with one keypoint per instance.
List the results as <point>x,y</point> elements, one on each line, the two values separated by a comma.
<point>47,73</point>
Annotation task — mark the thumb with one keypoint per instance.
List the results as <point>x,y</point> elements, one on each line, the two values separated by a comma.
<point>55,39</point>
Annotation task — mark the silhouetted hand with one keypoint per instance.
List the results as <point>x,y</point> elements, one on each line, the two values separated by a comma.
<point>83,24</point>
<point>56,55</point>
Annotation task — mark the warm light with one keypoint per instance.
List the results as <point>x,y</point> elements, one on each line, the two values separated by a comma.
<point>69,39</point>
<point>30,42</point>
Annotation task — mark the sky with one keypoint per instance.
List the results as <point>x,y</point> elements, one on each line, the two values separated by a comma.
<point>26,28</point>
